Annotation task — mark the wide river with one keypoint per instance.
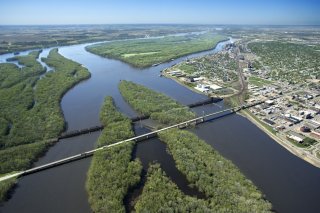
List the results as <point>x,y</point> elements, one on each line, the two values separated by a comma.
<point>289,183</point>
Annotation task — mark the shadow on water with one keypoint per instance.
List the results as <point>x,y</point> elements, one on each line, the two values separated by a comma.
<point>155,151</point>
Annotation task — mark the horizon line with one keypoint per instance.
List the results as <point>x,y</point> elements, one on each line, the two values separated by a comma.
<point>191,24</point>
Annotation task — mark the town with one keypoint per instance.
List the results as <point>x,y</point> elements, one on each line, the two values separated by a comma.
<point>290,112</point>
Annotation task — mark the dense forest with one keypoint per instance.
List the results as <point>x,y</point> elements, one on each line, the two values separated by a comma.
<point>158,106</point>
<point>160,194</point>
<point>146,52</point>
<point>226,188</point>
<point>30,107</point>
<point>112,172</point>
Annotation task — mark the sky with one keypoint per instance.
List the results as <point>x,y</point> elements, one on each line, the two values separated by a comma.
<point>253,12</point>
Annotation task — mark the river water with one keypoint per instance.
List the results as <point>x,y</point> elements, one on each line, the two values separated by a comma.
<point>291,184</point>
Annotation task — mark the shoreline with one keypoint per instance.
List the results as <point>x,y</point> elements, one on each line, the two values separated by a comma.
<point>142,67</point>
<point>299,152</point>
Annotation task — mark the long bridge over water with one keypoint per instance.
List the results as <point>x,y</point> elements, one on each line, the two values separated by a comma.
<point>134,119</point>
<point>195,121</point>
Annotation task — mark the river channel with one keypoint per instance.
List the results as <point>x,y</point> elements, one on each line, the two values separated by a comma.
<point>288,182</point>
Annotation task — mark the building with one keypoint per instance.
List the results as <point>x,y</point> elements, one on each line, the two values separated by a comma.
<point>203,88</point>
<point>295,136</point>
<point>215,87</point>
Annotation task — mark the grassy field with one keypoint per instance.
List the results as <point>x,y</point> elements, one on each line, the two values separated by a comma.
<point>30,107</point>
<point>146,52</point>
<point>112,172</point>
<point>259,81</point>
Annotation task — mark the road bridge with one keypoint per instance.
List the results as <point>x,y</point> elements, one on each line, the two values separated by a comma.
<point>194,121</point>
<point>75,133</point>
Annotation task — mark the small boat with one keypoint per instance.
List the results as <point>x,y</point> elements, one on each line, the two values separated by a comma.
<point>16,53</point>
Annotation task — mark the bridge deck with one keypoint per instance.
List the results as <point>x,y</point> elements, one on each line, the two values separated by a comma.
<point>184,124</point>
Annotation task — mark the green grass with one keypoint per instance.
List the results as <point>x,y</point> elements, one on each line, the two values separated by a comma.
<point>112,172</point>
<point>227,189</point>
<point>158,106</point>
<point>305,144</point>
<point>259,81</point>
<point>269,128</point>
<point>146,52</point>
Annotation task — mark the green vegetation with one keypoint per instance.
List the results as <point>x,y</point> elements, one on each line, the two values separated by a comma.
<point>305,143</point>
<point>268,127</point>
<point>18,38</point>
<point>259,81</point>
<point>5,186</point>
<point>309,141</point>
<point>160,194</point>
<point>226,188</point>
<point>158,106</point>
<point>30,107</point>
<point>224,185</point>
<point>289,62</point>
<point>146,52</point>
<point>112,172</point>
<point>10,74</point>
<point>16,158</point>
<point>215,66</point>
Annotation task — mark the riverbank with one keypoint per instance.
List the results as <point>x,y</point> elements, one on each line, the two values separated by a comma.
<point>140,53</point>
<point>299,152</point>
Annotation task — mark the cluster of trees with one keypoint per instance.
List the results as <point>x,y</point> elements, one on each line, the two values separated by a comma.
<point>219,65</point>
<point>15,158</point>
<point>146,52</point>
<point>30,107</point>
<point>5,186</point>
<point>288,61</point>
<point>160,194</point>
<point>112,172</point>
<point>10,74</point>
<point>158,106</point>
<point>226,188</point>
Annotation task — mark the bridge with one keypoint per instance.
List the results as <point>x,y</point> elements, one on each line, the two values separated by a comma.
<point>195,121</point>
<point>75,133</point>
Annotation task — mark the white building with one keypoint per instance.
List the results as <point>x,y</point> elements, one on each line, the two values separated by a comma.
<point>203,88</point>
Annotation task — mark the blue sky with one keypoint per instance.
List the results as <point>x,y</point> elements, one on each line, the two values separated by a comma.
<point>292,12</point>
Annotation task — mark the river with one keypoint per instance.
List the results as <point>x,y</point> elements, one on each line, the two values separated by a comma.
<point>289,183</point>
